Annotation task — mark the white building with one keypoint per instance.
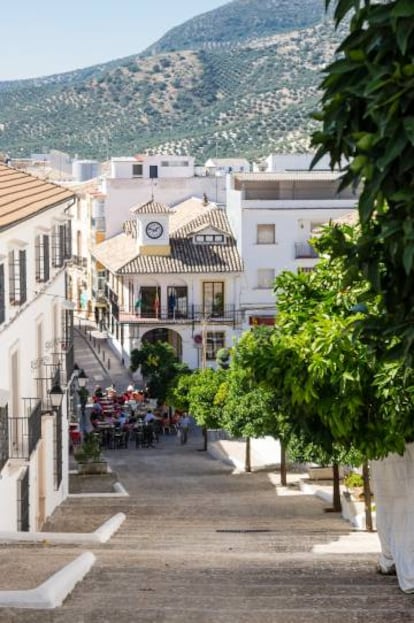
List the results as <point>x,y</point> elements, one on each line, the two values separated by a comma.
<point>36,349</point>
<point>169,179</point>
<point>174,275</point>
<point>221,166</point>
<point>273,216</point>
<point>292,162</point>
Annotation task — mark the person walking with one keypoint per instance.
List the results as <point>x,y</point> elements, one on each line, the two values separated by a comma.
<point>184,425</point>
<point>149,429</point>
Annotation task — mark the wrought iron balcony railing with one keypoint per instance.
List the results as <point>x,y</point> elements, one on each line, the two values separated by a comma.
<point>193,313</point>
<point>25,431</point>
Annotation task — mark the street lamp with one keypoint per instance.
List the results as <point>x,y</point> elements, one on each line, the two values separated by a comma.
<point>56,396</point>
<point>82,378</point>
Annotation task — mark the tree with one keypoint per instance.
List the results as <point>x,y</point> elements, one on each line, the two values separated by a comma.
<point>251,408</point>
<point>159,366</point>
<point>203,401</point>
<point>368,127</point>
<point>223,358</point>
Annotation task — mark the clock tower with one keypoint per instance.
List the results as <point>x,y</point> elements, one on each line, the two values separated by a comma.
<point>153,235</point>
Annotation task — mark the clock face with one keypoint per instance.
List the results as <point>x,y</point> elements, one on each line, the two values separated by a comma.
<point>154,230</point>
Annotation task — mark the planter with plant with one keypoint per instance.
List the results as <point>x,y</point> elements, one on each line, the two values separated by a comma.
<point>89,456</point>
<point>354,484</point>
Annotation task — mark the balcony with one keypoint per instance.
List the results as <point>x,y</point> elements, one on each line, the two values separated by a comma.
<point>25,432</point>
<point>79,261</point>
<point>303,250</point>
<point>226,314</point>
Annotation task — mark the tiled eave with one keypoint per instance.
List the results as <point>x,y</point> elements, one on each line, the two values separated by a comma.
<point>23,196</point>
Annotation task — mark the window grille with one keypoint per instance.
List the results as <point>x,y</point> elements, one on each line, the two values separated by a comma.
<point>57,259</point>
<point>17,277</point>
<point>215,341</point>
<point>42,262</point>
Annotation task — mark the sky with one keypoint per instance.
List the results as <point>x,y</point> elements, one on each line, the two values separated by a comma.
<point>52,36</point>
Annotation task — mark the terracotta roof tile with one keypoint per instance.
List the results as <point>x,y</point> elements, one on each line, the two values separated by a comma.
<point>151,207</point>
<point>23,195</point>
<point>119,254</point>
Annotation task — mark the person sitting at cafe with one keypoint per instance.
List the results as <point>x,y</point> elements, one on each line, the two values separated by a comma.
<point>121,420</point>
<point>96,414</point>
<point>97,394</point>
<point>129,393</point>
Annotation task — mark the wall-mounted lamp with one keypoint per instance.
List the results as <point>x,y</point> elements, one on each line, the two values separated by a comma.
<point>56,396</point>
<point>82,378</point>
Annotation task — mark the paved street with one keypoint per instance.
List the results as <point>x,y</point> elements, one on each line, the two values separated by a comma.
<point>201,544</point>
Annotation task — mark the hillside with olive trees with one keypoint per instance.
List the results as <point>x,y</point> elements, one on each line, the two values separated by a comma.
<point>243,95</point>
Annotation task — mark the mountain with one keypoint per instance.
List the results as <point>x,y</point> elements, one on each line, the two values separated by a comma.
<point>242,79</point>
<point>238,22</point>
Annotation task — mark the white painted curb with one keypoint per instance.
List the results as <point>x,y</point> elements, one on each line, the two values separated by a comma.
<point>101,535</point>
<point>54,591</point>
<point>119,491</point>
<point>352,543</point>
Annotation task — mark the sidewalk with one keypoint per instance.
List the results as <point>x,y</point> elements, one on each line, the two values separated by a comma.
<point>95,355</point>
<point>201,544</point>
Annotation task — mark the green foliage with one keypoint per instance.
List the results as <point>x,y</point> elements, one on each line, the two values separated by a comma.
<point>240,21</point>
<point>178,393</point>
<point>223,358</point>
<point>368,126</point>
<point>353,480</point>
<point>205,403</point>
<point>89,451</point>
<point>159,366</point>
<point>328,372</point>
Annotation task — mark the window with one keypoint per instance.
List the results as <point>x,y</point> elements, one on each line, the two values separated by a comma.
<point>177,301</point>
<point>148,302</point>
<point>61,244</point>
<point>42,263</point>
<point>17,277</point>
<point>2,295</point>
<point>66,240</point>
<point>215,341</point>
<point>175,163</point>
<point>213,298</point>
<point>265,277</point>
<point>306,269</point>
<point>266,234</point>
<point>137,170</point>
<point>57,259</point>
<point>210,238</point>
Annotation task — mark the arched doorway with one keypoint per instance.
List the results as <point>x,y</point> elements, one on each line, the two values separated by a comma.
<point>165,335</point>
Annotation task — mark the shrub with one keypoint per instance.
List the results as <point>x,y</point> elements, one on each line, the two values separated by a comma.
<point>353,480</point>
<point>89,451</point>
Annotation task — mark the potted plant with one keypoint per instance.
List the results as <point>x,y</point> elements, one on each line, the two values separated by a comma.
<point>89,456</point>
<point>354,483</point>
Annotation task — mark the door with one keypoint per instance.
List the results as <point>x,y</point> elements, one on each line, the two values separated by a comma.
<point>150,302</point>
<point>153,171</point>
